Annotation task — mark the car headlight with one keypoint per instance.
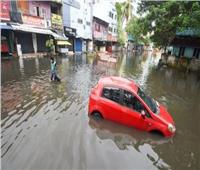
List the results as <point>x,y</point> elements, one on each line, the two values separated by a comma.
<point>171,128</point>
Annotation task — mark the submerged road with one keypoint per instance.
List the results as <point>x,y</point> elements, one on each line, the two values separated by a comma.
<point>45,125</point>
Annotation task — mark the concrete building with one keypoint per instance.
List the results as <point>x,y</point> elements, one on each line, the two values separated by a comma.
<point>27,25</point>
<point>109,16</point>
<point>77,20</point>
<point>186,44</point>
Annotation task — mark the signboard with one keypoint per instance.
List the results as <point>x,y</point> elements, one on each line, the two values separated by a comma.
<point>70,31</point>
<point>56,21</point>
<point>33,20</point>
<point>5,10</point>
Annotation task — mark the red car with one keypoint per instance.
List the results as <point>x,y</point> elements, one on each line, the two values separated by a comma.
<point>121,100</point>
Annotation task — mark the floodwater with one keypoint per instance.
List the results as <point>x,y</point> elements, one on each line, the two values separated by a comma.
<point>44,125</point>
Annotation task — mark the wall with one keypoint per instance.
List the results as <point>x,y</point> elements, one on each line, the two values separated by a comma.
<point>23,6</point>
<point>44,10</point>
<point>108,7</point>
<point>100,34</point>
<point>74,10</point>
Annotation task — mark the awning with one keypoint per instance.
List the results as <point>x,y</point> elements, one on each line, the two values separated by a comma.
<point>63,42</point>
<point>58,36</point>
<point>5,26</point>
<point>26,28</point>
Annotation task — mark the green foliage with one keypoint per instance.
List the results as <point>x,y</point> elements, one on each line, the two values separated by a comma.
<point>50,45</point>
<point>123,12</point>
<point>136,28</point>
<point>163,19</point>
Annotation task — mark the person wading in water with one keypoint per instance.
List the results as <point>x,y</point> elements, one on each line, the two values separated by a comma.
<point>54,76</point>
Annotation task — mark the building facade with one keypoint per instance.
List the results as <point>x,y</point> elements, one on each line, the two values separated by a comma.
<point>186,44</point>
<point>27,25</point>
<point>77,20</point>
<point>108,16</point>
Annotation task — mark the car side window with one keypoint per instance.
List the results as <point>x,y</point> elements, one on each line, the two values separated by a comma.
<point>111,93</point>
<point>130,101</point>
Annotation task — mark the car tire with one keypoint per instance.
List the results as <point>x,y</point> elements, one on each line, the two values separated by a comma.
<point>97,116</point>
<point>157,133</point>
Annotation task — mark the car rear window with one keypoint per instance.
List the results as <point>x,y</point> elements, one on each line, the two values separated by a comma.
<point>111,93</point>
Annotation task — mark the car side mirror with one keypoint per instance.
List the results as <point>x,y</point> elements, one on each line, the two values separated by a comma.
<point>143,114</point>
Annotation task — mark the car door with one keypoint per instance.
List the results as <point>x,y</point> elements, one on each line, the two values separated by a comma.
<point>110,103</point>
<point>131,111</point>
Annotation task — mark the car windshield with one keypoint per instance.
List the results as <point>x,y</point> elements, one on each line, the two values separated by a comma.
<point>148,100</point>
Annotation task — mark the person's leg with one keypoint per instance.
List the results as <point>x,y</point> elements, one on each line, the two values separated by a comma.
<point>51,76</point>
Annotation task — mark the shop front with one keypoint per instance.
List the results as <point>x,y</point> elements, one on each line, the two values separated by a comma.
<point>71,34</point>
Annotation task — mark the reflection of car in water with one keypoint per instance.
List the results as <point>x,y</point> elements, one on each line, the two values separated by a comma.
<point>122,101</point>
<point>124,136</point>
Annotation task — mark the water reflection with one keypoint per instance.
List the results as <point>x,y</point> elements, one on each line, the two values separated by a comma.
<point>124,137</point>
<point>41,120</point>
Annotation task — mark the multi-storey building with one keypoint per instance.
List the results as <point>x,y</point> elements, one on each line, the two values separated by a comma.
<point>26,25</point>
<point>77,20</point>
<point>104,15</point>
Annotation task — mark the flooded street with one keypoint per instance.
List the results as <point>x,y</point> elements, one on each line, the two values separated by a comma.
<point>45,125</point>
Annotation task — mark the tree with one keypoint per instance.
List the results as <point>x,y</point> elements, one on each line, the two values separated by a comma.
<point>123,14</point>
<point>163,19</point>
<point>136,28</point>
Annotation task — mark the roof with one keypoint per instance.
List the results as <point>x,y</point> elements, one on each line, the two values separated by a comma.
<point>119,82</point>
<point>5,26</point>
<point>189,32</point>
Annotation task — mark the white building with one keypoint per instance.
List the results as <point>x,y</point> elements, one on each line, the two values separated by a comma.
<point>105,10</point>
<point>77,19</point>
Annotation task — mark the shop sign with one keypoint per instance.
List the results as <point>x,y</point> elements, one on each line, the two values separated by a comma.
<point>5,10</point>
<point>56,21</point>
<point>70,31</point>
<point>33,20</point>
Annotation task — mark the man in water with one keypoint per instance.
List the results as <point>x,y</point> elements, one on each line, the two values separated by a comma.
<point>54,76</point>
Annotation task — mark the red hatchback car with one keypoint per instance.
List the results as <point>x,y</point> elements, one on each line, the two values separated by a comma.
<point>121,100</point>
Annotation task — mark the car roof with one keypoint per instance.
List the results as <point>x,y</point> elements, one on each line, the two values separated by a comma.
<point>119,82</point>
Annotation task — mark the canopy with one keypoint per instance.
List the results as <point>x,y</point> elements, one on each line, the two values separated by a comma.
<point>58,36</point>
<point>65,42</point>
<point>26,28</point>
<point>5,26</point>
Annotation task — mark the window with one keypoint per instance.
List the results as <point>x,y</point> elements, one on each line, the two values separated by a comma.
<point>38,11</point>
<point>110,29</point>
<point>80,21</point>
<point>131,101</point>
<point>111,93</point>
<point>97,27</point>
<point>88,23</point>
<point>110,14</point>
<point>148,100</point>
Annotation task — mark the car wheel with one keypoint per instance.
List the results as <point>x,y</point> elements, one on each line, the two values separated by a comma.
<point>97,116</point>
<point>157,133</point>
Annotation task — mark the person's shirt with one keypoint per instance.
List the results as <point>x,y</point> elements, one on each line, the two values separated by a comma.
<point>53,67</point>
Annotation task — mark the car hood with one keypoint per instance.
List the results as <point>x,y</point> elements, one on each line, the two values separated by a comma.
<point>165,114</point>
